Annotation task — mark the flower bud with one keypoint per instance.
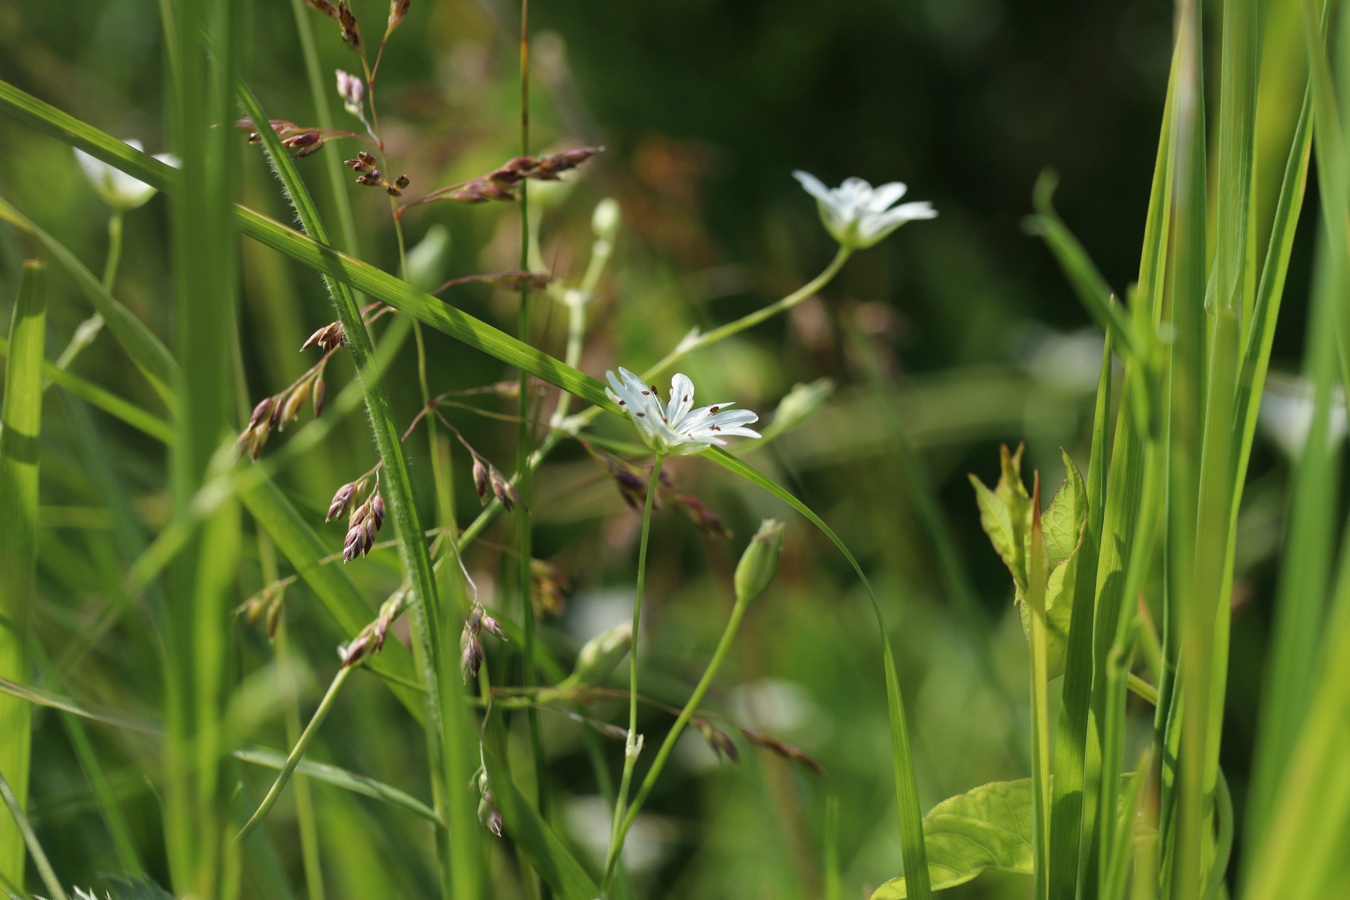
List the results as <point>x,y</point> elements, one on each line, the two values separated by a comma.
<point>759,562</point>
<point>605,219</point>
<point>800,403</point>
<point>601,655</point>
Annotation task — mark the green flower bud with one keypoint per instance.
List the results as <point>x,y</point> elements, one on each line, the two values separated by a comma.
<point>799,404</point>
<point>605,219</point>
<point>601,655</point>
<point>759,562</point>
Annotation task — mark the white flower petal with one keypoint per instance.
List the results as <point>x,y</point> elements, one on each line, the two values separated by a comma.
<point>857,215</point>
<point>884,196</point>
<point>813,186</point>
<point>676,428</point>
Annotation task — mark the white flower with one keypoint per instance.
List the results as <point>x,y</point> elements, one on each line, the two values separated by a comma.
<point>857,214</point>
<point>676,427</point>
<point>119,189</point>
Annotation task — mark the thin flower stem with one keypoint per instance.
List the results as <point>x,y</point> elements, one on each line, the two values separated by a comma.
<point>90,327</point>
<point>296,753</point>
<point>749,321</point>
<point>686,714</point>
<point>630,753</point>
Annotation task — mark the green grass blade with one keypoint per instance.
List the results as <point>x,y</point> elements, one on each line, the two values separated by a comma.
<point>906,785</point>
<point>1091,287</point>
<point>304,550</point>
<point>25,832</point>
<point>145,351</point>
<point>110,403</point>
<point>1038,571</point>
<point>202,575</point>
<point>559,869</point>
<point>449,744</point>
<point>20,431</point>
<point>316,255</point>
<point>262,756</point>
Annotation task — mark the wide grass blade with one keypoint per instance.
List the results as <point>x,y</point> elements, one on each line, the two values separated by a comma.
<point>20,431</point>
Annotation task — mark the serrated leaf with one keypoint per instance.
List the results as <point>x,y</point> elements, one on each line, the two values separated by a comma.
<point>1064,521</point>
<point>988,827</point>
<point>1005,515</point>
<point>1064,524</point>
<point>996,519</point>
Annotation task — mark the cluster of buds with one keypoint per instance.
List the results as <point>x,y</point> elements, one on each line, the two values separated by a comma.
<point>370,176</point>
<point>371,639</point>
<point>365,520</point>
<point>548,587</point>
<point>352,90</point>
<point>276,412</point>
<point>471,644</point>
<point>632,483</point>
<point>485,476</point>
<point>299,140</point>
<point>501,183</point>
<point>264,607</point>
<point>488,815</point>
<point>328,338</point>
<point>515,280</point>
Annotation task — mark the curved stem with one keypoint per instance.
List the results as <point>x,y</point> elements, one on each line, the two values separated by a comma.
<point>634,745</point>
<point>749,321</point>
<point>293,759</point>
<point>686,714</point>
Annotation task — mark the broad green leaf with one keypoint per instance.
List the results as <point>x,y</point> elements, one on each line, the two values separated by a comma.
<point>985,828</point>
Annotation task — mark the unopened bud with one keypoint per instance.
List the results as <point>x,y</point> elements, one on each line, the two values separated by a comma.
<point>605,219</point>
<point>759,562</point>
<point>800,403</point>
<point>601,655</point>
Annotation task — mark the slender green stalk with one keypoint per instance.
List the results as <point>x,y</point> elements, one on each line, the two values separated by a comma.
<point>524,440</point>
<point>1038,570</point>
<point>699,341</point>
<point>20,430</point>
<point>25,831</point>
<point>633,745</point>
<point>690,708</point>
<point>297,752</point>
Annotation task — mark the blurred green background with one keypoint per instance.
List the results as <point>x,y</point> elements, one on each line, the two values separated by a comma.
<point>950,337</point>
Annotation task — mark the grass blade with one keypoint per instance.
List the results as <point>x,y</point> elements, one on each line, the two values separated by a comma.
<point>20,429</point>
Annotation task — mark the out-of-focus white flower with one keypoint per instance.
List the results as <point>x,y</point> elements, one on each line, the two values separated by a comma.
<point>352,90</point>
<point>677,428</point>
<point>859,215</point>
<point>120,190</point>
<point>1286,413</point>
